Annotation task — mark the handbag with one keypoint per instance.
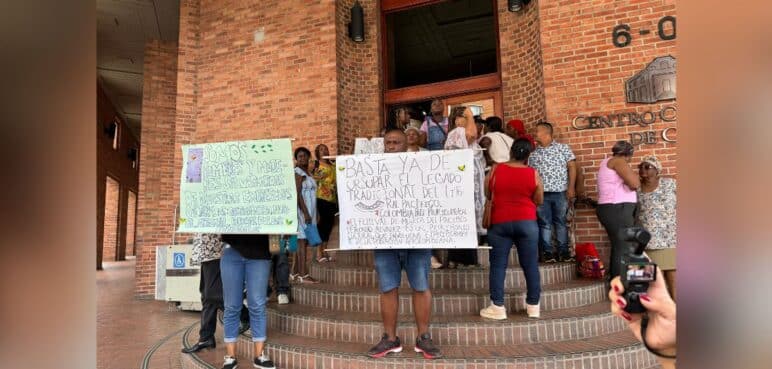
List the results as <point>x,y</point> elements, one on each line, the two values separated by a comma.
<point>488,207</point>
<point>584,249</point>
<point>591,267</point>
<point>312,235</point>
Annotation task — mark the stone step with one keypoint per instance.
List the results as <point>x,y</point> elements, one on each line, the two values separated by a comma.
<point>466,278</point>
<point>365,258</point>
<point>618,350</point>
<point>447,301</point>
<point>558,325</point>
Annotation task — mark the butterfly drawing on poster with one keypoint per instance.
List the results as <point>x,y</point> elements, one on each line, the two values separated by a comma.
<point>195,159</point>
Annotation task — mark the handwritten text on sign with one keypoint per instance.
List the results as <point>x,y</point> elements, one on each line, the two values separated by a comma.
<point>407,200</point>
<point>243,187</point>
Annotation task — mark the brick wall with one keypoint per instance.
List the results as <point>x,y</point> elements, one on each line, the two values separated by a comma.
<point>131,217</point>
<point>155,209</point>
<point>584,74</point>
<point>112,219</point>
<point>360,81</point>
<point>522,81</point>
<point>281,85</point>
<point>116,163</point>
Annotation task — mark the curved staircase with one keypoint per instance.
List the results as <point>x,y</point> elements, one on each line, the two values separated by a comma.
<point>332,324</point>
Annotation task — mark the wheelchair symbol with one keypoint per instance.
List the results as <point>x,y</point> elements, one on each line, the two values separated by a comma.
<point>179,260</point>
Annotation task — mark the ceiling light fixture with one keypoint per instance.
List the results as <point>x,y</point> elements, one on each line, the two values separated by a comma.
<point>517,5</point>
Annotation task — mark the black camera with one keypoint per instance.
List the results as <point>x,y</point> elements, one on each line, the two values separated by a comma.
<point>636,269</point>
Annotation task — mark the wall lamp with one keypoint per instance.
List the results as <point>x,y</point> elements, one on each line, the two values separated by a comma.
<point>356,29</point>
<point>517,5</point>
<point>110,129</point>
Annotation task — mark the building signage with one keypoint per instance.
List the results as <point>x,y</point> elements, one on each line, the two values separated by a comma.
<point>641,119</point>
<point>622,34</point>
<point>656,82</point>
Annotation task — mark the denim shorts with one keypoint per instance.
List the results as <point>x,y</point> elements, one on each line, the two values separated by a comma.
<point>390,263</point>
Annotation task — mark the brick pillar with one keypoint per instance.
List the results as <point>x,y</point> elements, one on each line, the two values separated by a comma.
<point>111,220</point>
<point>100,216</point>
<point>188,60</point>
<point>360,83</point>
<point>155,211</point>
<point>522,80</point>
<point>131,217</point>
<point>123,197</point>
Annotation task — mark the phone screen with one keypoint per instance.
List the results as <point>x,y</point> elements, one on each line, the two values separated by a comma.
<point>641,272</point>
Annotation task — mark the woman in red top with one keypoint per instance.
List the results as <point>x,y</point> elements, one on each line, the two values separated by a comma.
<point>515,190</point>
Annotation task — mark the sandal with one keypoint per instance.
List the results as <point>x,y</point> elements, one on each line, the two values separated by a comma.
<point>307,279</point>
<point>322,259</point>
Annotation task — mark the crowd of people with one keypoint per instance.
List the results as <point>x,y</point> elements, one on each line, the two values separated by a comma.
<point>524,186</point>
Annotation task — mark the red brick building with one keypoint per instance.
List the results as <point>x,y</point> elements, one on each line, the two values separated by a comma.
<point>272,68</point>
<point>250,70</point>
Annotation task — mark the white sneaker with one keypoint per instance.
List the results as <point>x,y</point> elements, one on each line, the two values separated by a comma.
<point>436,263</point>
<point>494,312</point>
<point>532,310</point>
<point>230,363</point>
<point>283,299</point>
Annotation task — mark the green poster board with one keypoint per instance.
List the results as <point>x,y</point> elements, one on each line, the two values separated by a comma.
<point>238,187</point>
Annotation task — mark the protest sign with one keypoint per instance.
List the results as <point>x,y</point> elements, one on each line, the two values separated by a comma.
<point>371,146</point>
<point>407,200</point>
<point>242,187</point>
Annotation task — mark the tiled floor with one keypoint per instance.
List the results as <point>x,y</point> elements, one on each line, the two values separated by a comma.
<point>127,328</point>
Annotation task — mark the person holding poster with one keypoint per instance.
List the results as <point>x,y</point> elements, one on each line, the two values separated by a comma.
<point>306,186</point>
<point>389,264</point>
<point>464,136</point>
<point>515,190</point>
<point>245,261</point>
<point>207,251</point>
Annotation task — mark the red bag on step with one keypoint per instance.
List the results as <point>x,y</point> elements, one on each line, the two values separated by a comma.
<point>590,265</point>
<point>586,249</point>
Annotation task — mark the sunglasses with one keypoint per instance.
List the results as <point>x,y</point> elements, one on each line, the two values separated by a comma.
<point>647,166</point>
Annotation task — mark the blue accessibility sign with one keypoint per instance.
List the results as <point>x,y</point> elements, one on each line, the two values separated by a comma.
<point>179,259</point>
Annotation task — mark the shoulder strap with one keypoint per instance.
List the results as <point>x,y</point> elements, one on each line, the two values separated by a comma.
<point>429,123</point>
<point>644,325</point>
<point>492,180</point>
<point>501,137</point>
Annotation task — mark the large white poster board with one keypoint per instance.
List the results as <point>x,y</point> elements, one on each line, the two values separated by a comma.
<point>407,200</point>
<point>242,187</point>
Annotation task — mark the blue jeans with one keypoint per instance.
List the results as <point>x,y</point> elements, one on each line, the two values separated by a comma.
<point>280,272</point>
<point>524,234</point>
<point>415,262</point>
<point>553,213</point>
<point>236,271</point>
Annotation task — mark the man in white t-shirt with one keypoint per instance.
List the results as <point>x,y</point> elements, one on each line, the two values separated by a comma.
<point>501,143</point>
